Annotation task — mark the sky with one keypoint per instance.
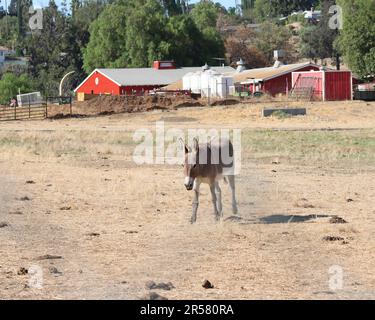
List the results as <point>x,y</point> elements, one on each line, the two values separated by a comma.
<point>43,3</point>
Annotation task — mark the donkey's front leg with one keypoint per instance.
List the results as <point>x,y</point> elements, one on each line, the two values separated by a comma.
<point>233,188</point>
<point>214,200</point>
<point>195,201</point>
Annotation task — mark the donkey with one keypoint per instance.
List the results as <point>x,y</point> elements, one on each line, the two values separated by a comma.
<point>209,163</point>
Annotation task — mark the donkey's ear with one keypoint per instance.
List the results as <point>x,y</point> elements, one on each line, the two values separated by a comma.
<point>184,146</point>
<point>195,144</point>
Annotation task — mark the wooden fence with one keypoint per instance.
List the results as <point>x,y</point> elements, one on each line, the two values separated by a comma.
<point>23,113</point>
<point>31,111</point>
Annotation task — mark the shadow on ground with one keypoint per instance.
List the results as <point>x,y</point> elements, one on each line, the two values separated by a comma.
<point>276,218</point>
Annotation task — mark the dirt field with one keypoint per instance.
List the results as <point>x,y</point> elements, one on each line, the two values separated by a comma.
<point>94,225</point>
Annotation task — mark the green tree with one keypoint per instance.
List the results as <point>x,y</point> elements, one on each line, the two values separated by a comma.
<point>272,37</point>
<point>357,38</point>
<point>205,15</point>
<point>187,48</point>
<point>145,33</point>
<point>10,85</point>
<point>135,33</point>
<point>317,41</point>
<point>127,33</point>
<point>51,51</point>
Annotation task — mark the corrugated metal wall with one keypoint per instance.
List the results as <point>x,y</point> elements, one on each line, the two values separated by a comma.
<point>338,85</point>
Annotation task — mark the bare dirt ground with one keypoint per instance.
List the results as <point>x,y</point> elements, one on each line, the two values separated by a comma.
<point>94,225</point>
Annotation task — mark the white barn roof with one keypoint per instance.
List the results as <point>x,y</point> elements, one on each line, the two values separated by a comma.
<point>149,76</point>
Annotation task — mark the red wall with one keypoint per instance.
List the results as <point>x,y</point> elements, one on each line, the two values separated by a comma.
<point>105,85</point>
<point>338,85</point>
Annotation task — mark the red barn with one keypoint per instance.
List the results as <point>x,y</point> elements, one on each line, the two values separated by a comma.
<point>134,80</point>
<point>325,85</point>
<point>272,80</point>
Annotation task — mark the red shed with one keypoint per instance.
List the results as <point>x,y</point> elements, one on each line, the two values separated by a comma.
<point>325,85</point>
<point>273,80</point>
<point>134,80</point>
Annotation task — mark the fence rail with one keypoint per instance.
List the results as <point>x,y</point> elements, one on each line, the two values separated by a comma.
<point>23,113</point>
<point>32,111</point>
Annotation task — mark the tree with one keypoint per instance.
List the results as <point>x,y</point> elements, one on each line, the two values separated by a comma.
<point>317,40</point>
<point>271,37</point>
<point>135,33</point>
<point>250,55</point>
<point>8,31</point>
<point>357,40</point>
<point>205,15</point>
<point>171,7</point>
<point>106,47</point>
<point>187,48</point>
<point>51,51</point>
<point>145,33</point>
<point>10,85</point>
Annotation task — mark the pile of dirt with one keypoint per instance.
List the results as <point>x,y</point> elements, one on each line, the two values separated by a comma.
<point>118,104</point>
<point>225,102</point>
<point>107,105</point>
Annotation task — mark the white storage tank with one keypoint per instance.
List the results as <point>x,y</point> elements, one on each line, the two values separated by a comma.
<point>208,82</point>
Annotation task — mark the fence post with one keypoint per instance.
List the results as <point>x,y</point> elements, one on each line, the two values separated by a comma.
<point>15,112</point>
<point>29,108</point>
<point>46,107</point>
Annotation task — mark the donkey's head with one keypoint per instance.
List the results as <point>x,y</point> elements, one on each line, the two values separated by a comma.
<point>191,164</point>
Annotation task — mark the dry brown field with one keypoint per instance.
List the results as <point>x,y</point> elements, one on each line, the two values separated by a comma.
<point>75,207</point>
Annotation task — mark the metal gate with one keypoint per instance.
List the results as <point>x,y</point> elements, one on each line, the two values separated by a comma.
<point>23,113</point>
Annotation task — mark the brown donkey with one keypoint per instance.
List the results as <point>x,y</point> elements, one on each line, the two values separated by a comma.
<point>209,163</point>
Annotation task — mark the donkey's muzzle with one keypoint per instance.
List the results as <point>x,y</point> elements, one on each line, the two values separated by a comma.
<point>189,182</point>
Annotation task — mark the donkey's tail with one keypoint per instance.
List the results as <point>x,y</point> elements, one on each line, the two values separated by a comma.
<point>225,180</point>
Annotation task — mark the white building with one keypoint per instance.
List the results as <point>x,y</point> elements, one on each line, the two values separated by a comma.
<point>4,51</point>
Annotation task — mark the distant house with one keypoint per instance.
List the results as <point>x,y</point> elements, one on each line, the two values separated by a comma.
<point>134,80</point>
<point>313,15</point>
<point>8,59</point>
<point>4,51</point>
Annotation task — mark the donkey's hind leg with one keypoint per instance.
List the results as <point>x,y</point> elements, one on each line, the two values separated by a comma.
<point>218,199</point>
<point>233,189</point>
